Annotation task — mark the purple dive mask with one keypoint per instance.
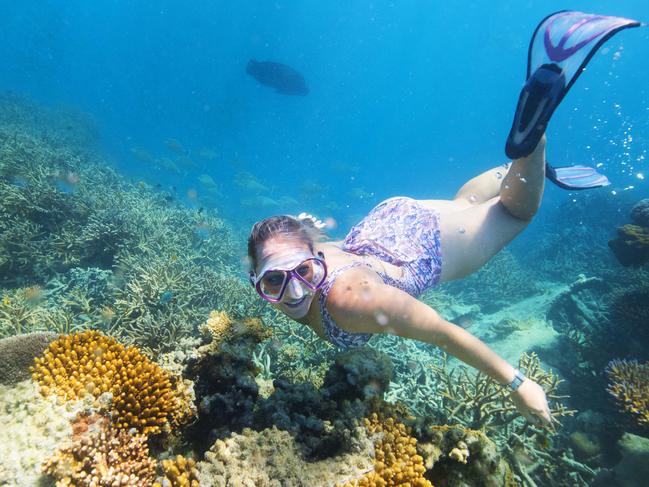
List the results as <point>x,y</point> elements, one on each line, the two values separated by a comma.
<point>272,281</point>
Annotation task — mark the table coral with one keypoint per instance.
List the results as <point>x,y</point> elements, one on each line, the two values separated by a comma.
<point>629,384</point>
<point>101,455</point>
<point>144,396</point>
<point>396,460</point>
<point>178,472</point>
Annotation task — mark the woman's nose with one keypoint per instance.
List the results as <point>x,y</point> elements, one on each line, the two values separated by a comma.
<point>294,289</point>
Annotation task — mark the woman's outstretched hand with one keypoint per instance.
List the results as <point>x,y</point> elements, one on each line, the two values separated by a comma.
<point>531,402</point>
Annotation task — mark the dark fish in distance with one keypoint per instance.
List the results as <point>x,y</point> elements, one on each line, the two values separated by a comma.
<point>283,78</point>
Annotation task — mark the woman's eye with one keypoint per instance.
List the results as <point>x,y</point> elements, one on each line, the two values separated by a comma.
<point>274,279</point>
<point>303,270</point>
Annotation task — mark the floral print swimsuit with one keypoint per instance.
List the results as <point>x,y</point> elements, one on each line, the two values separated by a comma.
<point>399,231</point>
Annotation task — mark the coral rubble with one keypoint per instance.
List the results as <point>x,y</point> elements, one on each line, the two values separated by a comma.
<point>143,395</point>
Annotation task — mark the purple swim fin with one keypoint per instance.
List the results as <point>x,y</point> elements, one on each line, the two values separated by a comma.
<point>575,177</point>
<point>561,46</point>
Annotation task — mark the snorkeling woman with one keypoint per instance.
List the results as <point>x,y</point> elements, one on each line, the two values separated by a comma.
<point>369,282</point>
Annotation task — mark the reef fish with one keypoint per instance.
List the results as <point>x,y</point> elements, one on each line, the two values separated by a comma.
<point>285,80</point>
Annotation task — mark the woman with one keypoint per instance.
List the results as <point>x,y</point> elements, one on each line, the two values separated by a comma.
<point>368,283</point>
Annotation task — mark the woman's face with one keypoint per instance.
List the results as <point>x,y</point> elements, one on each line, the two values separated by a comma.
<point>283,253</point>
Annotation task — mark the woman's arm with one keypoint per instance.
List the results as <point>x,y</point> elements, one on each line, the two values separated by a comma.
<point>360,302</point>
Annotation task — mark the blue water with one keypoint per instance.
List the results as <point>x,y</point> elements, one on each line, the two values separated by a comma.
<point>405,97</point>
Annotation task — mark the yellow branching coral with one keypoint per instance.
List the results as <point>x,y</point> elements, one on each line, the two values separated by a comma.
<point>144,396</point>
<point>179,472</point>
<point>101,455</point>
<point>396,460</point>
<point>629,384</point>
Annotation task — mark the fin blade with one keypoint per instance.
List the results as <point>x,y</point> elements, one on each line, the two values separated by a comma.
<point>560,48</point>
<point>576,177</point>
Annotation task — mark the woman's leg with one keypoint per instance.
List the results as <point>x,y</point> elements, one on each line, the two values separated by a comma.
<point>474,234</point>
<point>484,186</point>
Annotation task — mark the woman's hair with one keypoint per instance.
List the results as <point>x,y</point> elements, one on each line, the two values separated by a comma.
<point>303,230</point>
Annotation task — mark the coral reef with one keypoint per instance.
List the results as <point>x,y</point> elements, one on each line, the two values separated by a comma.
<point>31,428</point>
<point>631,247</point>
<point>224,375</point>
<point>640,213</point>
<point>455,455</point>
<point>629,385</point>
<point>101,455</point>
<point>628,316</point>
<point>396,461</point>
<point>633,469</point>
<point>272,458</point>
<point>17,354</point>
<point>496,284</point>
<point>477,401</point>
<point>178,472</point>
<point>143,395</point>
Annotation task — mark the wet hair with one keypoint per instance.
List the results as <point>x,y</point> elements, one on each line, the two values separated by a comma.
<point>286,226</point>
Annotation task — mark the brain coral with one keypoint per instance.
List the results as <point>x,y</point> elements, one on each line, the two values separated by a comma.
<point>629,384</point>
<point>396,460</point>
<point>640,213</point>
<point>100,455</point>
<point>144,396</point>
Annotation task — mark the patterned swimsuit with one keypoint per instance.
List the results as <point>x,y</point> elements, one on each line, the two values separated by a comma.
<point>399,231</point>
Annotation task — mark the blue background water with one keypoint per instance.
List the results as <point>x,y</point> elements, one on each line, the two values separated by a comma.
<point>405,97</point>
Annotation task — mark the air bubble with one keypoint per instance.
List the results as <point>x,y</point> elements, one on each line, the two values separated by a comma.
<point>381,318</point>
<point>499,175</point>
<point>461,230</point>
<point>473,199</point>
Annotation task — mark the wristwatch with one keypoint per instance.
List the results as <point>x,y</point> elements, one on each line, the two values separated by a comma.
<point>517,380</point>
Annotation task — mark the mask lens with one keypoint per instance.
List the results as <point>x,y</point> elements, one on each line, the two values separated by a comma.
<point>272,283</point>
<point>311,271</point>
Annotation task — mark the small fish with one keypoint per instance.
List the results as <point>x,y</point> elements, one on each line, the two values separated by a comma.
<point>6,300</point>
<point>285,80</point>
<point>166,296</point>
<point>175,146</point>
<point>173,258</point>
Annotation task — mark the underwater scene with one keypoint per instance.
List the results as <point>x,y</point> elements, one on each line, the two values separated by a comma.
<point>300,243</point>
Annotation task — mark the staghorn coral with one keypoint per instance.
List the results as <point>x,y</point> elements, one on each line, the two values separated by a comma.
<point>477,401</point>
<point>272,458</point>
<point>178,472</point>
<point>101,455</point>
<point>396,460</point>
<point>144,396</point>
<point>629,385</point>
<point>631,247</point>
